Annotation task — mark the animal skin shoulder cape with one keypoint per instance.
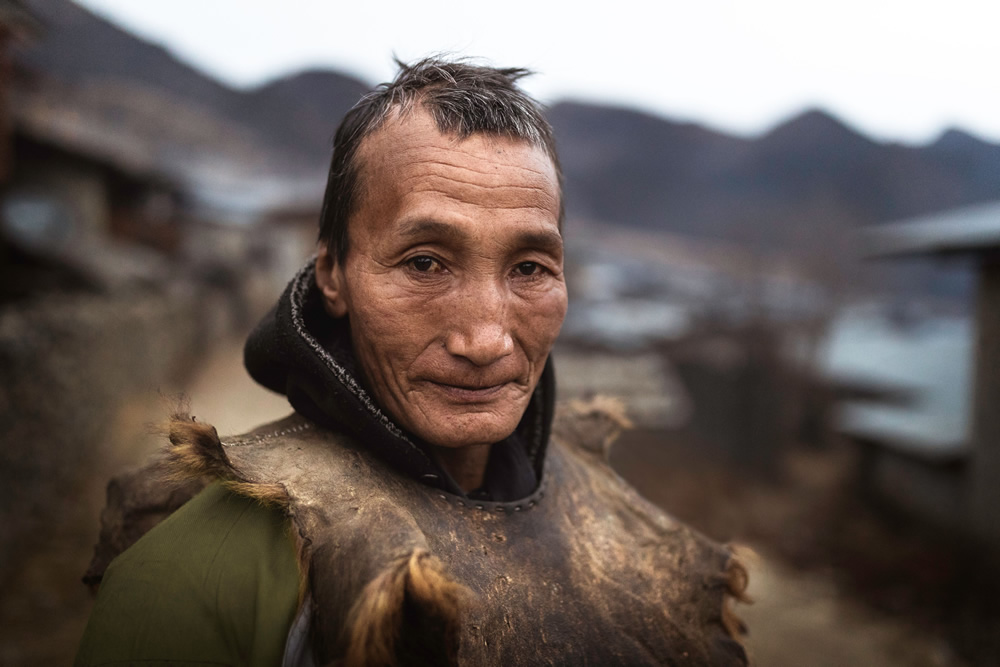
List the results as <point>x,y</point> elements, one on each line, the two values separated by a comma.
<point>583,571</point>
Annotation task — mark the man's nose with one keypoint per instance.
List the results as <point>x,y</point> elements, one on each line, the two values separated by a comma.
<point>479,330</point>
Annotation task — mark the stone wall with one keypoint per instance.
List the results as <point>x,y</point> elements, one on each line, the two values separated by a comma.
<point>68,362</point>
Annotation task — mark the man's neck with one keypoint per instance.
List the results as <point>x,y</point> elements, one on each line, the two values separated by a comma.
<point>466,465</point>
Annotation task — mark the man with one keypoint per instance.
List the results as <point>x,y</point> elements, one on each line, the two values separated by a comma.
<point>412,510</point>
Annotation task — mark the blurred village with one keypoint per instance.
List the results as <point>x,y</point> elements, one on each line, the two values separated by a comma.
<point>804,327</point>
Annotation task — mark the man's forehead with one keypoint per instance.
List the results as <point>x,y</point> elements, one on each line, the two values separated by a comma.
<point>415,129</point>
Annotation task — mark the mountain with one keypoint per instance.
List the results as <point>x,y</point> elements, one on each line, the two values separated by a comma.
<point>634,168</point>
<point>642,170</point>
<point>805,181</point>
<point>77,46</point>
<point>118,82</point>
<point>302,110</point>
<point>973,162</point>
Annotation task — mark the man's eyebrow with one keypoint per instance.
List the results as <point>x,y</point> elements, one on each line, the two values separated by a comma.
<point>435,228</point>
<point>549,241</point>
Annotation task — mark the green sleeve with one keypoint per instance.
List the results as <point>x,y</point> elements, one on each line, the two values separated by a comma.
<point>216,583</point>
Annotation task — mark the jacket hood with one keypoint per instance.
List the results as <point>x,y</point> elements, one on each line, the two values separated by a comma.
<point>300,351</point>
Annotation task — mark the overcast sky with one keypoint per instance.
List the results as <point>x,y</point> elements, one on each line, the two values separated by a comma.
<point>897,69</point>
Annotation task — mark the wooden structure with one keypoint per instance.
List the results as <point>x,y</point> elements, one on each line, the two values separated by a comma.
<point>17,24</point>
<point>971,231</point>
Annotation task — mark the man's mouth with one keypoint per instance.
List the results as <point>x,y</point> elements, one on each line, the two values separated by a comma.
<point>466,393</point>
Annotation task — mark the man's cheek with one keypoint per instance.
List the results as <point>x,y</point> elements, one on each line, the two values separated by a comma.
<point>543,320</point>
<point>386,318</point>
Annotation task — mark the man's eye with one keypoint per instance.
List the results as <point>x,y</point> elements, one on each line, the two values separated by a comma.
<point>527,268</point>
<point>425,264</point>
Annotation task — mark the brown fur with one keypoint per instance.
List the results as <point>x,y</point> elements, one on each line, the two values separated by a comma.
<point>195,451</point>
<point>737,578</point>
<point>410,611</point>
<point>303,558</point>
<point>268,494</point>
<point>611,408</point>
<point>592,424</point>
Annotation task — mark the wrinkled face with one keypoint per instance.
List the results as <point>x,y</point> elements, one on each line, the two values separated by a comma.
<point>454,278</point>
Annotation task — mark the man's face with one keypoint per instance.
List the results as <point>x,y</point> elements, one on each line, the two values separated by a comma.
<point>454,278</point>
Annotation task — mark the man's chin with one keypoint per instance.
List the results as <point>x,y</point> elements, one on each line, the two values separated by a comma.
<point>467,428</point>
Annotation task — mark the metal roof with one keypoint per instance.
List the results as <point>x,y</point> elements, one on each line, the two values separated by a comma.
<point>932,361</point>
<point>964,230</point>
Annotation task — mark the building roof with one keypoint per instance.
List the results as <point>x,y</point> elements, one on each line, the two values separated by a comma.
<point>930,360</point>
<point>965,230</point>
<point>72,131</point>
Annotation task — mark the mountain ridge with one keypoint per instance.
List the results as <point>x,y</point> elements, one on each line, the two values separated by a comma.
<point>621,165</point>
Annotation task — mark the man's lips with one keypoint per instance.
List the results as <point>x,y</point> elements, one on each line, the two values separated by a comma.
<point>469,393</point>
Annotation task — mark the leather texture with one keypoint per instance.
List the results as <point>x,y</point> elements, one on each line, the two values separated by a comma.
<point>583,571</point>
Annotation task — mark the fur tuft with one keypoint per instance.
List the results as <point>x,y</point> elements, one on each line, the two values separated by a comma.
<point>268,494</point>
<point>737,579</point>
<point>195,449</point>
<point>410,614</point>
<point>196,452</point>
<point>592,424</point>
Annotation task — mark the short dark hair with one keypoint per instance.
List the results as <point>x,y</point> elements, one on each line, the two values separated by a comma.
<point>463,98</point>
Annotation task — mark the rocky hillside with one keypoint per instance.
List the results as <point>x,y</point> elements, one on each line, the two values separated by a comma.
<point>625,166</point>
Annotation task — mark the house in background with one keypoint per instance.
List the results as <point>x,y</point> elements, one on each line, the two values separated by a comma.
<point>84,202</point>
<point>688,332</point>
<point>937,450</point>
<point>904,395</point>
<point>70,184</point>
<point>84,208</point>
<point>97,192</point>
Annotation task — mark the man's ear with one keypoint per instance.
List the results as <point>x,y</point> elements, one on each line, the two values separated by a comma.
<point>330,280</point>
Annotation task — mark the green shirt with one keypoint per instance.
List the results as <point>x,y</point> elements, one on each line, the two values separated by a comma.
<point>216,583</point>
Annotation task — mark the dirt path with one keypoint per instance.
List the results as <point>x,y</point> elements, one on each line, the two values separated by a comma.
<point>797,618</point>
<point>225,396</point>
